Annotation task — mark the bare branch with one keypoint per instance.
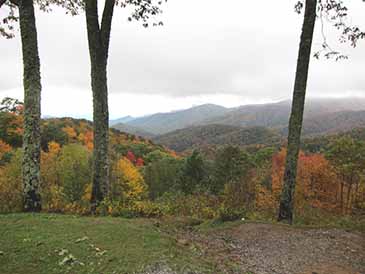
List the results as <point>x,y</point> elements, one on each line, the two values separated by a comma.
<point>15,2</point>
<point>2,2</point>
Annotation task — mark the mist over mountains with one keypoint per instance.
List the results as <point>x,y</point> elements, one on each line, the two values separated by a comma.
<point>249,124</point>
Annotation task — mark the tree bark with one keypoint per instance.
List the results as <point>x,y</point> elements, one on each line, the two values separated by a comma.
<point>341,197</point>
<point>297,111</point>
<point>348,199</point>
<point>32,107</point>
<point>98,39</point>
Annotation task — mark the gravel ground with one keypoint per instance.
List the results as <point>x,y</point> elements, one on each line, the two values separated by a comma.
<point>278,249</point>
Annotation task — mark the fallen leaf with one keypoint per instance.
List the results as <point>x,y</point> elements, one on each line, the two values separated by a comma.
<point>85,238</point>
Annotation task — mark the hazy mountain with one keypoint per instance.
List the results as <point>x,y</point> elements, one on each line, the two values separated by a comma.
<point>161,123</point>
<point>321,116</point>
<point>276,115</point>
<point>213,135</point>
<point>122,120</point>
<point>334,122</point>
<point>133,130</point>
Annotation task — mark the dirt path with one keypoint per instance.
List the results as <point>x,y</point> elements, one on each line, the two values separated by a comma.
<point>276,249</point>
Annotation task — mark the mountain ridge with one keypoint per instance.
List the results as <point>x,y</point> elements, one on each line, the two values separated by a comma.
<point>319,114</point>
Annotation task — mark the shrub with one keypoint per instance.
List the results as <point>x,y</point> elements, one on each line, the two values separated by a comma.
<point>11,185</point>
<point>227,214</point>
<point>74,171</point>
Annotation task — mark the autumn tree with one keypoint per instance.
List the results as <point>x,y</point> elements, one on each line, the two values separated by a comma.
<point>335,11</point>
<point>193,173</point>
<point>99,40</point>
<point>348,158</point>
<point>32,101</point>
<point>231,165</point>
<point>316,184</point>
<point>11,122</point>
<point>32,88</point>
<point>162,175</point>
<point>128,182</point>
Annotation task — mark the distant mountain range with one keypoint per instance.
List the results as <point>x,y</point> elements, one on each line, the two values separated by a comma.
<point>216,135</point>
<point>216,124</point>
<point>122,120</point>
<point>161,123</point>
<point>133,130</point>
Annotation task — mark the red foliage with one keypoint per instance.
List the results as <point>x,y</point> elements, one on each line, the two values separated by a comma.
<point>131,157</point>
<point>139,162</point>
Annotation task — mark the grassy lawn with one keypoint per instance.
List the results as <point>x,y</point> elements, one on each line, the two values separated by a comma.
<point>46,243</point>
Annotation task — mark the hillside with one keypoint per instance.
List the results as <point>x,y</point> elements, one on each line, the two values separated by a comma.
<point>133,130</point>
<point>65,131</point>
<point>334,122</point>
<point>161,123</point>
<point>321,116</point>
<point>320,143</point>
<point>213,135</point>
<point>276,115</point>
<point>125,119</point>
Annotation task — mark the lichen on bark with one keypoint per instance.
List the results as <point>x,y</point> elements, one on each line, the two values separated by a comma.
<point>99,38</point>
<point>297,111</point>
<point>32,107</point>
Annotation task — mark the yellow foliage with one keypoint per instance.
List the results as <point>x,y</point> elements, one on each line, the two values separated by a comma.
<point>87,194</point>
<point>54,148</point>
<point>128,182</point>
<point>11,185</point>
<point>70,131</point>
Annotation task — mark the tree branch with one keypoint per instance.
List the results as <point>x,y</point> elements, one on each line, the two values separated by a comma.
<point>15,2</point>
<point>2,2</point>
<point>93,29</point>
<point>106,25</point>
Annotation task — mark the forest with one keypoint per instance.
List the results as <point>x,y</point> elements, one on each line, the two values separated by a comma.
<point>225,183</point>
<point>213,196</point>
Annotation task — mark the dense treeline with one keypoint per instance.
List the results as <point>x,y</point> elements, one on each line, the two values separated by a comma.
<point>218,135</point>
<point>149,180</point>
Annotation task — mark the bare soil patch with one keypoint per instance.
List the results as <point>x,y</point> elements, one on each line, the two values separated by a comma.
<point>280,249</point>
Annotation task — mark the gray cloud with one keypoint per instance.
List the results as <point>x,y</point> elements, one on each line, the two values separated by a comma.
<point>245,48</point>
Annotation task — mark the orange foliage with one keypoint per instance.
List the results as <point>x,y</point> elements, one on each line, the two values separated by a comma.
<point>71,133</point>
<point>316,187</point>
<point>87,139</point>
<point>4,148</point>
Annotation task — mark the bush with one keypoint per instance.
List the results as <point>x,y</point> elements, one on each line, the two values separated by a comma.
<point>11,199</point>
<point>74,171</point>
<point>135,209</point>
<point>199,205</point>
<point>227,214</point>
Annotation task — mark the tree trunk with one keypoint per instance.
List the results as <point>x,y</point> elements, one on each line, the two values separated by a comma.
<point>296,117</point>
<point>98,39</point>
<point>341,197</point>
<point>32,107</point>
<point>349,200</point>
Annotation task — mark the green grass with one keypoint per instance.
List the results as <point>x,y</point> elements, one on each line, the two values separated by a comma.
<point>37,244</point>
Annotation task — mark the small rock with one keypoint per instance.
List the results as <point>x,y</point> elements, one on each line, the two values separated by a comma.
<point>82,239</point>
<point>182,242</point>
<point>62,252</point>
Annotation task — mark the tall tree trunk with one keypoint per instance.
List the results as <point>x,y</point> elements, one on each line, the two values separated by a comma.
<point>98,39</point>
<point>296,117</point>
<point>32,107</point>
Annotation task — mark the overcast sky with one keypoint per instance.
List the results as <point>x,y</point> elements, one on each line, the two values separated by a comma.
<point>230,52</point>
